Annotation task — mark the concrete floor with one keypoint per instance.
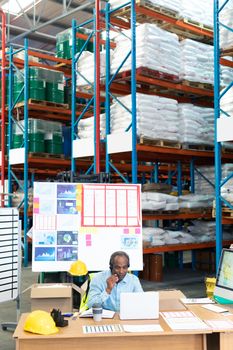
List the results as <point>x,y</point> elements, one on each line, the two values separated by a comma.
<point>191,283</point>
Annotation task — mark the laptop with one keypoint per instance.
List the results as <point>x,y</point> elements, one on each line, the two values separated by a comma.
<point>139,306</point>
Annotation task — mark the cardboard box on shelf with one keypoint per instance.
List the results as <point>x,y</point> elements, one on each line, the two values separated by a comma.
<point>46,296</point>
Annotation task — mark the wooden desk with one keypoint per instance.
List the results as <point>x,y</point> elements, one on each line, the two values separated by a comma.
<point>220,339</point>
<point>73,338</point>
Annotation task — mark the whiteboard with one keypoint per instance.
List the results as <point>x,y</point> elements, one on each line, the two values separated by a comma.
<point>9,254</point>
<point>85,221</point>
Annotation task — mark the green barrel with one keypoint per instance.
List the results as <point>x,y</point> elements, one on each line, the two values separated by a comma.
<point>64,43</point>
<point>53,143</point>
<point>53,147</point>
<point>36,142</point>
<point>54,92</point>
<point>17,140</point>
<point>36,85</point>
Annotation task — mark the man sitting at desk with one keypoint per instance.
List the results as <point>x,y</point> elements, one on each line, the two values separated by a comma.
<point>106,286</point>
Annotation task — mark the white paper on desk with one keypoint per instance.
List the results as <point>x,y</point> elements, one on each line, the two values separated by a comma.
<point>105,314</point>
<point>183,320</point>
<point>214,308</point>
<point>137,328</point>
<point>220,324</point>
<point>197,301</point>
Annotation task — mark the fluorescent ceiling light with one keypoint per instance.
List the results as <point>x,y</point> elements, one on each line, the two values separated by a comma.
<point>13,7</point>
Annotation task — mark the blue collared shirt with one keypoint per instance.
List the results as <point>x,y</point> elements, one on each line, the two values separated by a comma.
<point>98,294</point>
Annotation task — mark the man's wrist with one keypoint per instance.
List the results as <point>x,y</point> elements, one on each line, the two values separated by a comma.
<point>108,290</point>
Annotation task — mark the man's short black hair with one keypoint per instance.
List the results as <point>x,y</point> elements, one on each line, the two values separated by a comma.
<point>114,255</point>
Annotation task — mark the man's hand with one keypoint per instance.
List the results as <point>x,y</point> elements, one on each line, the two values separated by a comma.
<point>111,281</point>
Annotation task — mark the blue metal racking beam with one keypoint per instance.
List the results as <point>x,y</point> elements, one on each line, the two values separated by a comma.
<point>109,79</point>
<point>11,105</point>
<point>217,144</point>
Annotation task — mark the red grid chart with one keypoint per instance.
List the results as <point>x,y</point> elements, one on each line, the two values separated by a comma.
<point>111,205</point>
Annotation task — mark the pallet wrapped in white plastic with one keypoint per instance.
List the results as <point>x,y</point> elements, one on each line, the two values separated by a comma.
<point>86,127</point>
<point>198,11</point>
<point>153,50</point>
<point>86,67</point>
<point>197,63</point>
<point>157,117</point>
<point>226,35</point>
<point>194,124</point>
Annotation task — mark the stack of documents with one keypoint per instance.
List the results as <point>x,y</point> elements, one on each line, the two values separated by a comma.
<point>104,328</point>
<point>183,320</point>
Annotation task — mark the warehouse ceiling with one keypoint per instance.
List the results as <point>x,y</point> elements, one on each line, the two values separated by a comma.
<point>41,20</point>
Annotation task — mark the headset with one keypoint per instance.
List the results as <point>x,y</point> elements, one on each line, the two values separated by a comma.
<point>114,255</point>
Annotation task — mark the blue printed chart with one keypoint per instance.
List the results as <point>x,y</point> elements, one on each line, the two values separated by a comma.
<point>85,221</point>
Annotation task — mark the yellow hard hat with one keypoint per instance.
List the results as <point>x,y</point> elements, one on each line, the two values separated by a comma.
<point>78,268</point>
<point>40,322</point>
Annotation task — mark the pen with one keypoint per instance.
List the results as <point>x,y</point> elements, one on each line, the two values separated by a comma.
<point>67,314</point>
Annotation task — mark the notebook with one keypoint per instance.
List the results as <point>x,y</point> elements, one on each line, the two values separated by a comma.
<point>139,306</point>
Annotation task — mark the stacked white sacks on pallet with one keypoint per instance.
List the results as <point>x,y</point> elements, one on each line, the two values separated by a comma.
<point>198,11</point>
<point>196,201</point>
<point>197,231</point>
<point>227,188</point>
<point>195,124</point>
<point>153,50</point>
<point>226,17</point>
<point>197,64</point>
<point>157,117</point>
<point>86,68</point>
<point>202,186</point>
<point>226,75</point>
<point>86,127</point>
<point>159,201</point>
<point>202,231</point>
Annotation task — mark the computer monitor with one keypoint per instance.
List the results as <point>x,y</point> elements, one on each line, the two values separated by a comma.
<point>223,292</point>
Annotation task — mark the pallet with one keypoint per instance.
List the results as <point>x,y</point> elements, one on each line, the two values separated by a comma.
<point>198,24</point>
<point>184,32</point>
<point>227,150</point>
<point>226,213</point>
<point>45,155</point>
<point>43,103</point>
<point>195,147</point>
<point>159,143</point>
<point>64,65</point>
<point>195,210</point>
<point>160,212</point>
<point>227,52</point>
<point>147,72</point>
<point>204,86</point>
<point>125,12</point>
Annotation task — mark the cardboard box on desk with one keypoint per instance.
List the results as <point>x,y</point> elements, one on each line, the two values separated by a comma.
<point>46,296</point>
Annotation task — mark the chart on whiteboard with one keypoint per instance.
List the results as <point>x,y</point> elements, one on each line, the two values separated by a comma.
<point>85,221</point>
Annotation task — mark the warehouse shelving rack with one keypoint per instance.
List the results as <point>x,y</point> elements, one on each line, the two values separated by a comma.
<point>31,165</point>
<point>124,17</point>
<point>93,88</point>
<point>218,94</point>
